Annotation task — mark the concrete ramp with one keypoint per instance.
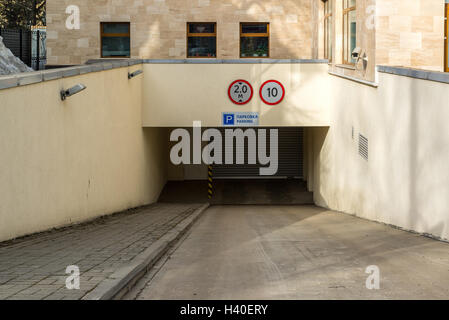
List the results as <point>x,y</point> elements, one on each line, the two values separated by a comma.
<point>239,192</point>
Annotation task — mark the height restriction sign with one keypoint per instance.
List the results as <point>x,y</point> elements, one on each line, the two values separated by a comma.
<point>272,92</point>
<point>240,92</point>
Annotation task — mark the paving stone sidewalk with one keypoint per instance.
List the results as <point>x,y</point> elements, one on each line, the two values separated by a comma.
<point>35,267</point>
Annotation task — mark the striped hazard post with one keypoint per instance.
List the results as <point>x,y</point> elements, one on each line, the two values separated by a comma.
<point>210,190</point>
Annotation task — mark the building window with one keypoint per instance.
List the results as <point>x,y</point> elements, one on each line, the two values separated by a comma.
<point>115,40</point>
<point>254,40</point>
<point>349,30</point>
<point>201,40</point>
<point>328,29</point>
<point>446,40</point>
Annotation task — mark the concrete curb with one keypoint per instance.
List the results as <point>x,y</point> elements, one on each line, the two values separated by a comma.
<point>117,284</point>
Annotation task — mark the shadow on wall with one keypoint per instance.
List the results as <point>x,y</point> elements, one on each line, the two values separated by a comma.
<point>428,153</point>
<point>320,162</point>
<point>301,81</point>
<point>411,138</point>
<point>405,181</point>
<point>155,145</point>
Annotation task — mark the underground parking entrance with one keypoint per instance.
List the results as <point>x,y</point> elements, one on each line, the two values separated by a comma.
<point>239,178</point>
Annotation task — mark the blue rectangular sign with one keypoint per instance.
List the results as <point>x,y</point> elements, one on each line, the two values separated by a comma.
<point>240,119</point>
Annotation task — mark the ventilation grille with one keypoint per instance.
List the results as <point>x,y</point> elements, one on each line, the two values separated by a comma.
<point>363,147</point>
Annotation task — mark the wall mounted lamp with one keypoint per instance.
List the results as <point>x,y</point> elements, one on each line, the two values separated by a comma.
<point>71,91</point>
<point>135,73</point>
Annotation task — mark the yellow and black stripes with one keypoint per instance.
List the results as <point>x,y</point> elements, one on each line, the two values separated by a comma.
<point>210,190</point>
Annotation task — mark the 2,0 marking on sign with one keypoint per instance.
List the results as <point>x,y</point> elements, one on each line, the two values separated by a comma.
<point>272,92</point>
<point>240,92</point>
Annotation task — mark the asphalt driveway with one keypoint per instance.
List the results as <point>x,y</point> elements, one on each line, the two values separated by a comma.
<point>297,252</point>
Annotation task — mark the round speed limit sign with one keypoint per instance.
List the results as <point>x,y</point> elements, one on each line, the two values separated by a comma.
<point>240,92</point>
<point>272,92</point>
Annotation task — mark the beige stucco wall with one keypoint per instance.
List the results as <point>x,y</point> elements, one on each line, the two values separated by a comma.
<point>175,95</point>
<point>158,27</point>
<point>66,162</point>
<point>405,182</point>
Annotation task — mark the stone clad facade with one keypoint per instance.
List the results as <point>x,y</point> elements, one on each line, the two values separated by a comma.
<point>411,33</point>
<point>158,27</point>
<point>407,33</point>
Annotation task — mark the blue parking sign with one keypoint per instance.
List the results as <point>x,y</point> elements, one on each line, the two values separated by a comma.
<point>240,119</point>
<point>228,119</point>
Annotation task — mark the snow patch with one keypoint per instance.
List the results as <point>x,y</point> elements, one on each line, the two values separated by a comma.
<point>10,64</point>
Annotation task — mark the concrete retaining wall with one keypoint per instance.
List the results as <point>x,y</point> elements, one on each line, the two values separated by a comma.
<point>71,161</point>
<point>405,181</point>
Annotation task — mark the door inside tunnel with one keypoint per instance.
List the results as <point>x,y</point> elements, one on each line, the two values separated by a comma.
<point>289,156</point>
<point>241,182</point>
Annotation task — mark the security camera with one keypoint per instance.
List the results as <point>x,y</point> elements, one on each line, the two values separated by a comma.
<point>356,53</point>
<point>135,73</point>
<point>364,58</point>
<point>71,91</point>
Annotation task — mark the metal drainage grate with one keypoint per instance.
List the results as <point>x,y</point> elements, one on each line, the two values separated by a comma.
<point>363,147</point>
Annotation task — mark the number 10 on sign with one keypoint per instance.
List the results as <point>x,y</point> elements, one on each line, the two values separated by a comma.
<point>272,92</point>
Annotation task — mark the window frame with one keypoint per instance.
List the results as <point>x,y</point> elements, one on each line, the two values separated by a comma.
<point>328,18</point>
<point>254,35</point>
<point>446,39</point>
<point>346,12</point>
<point>111,35</point>
<point>191,35</point>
